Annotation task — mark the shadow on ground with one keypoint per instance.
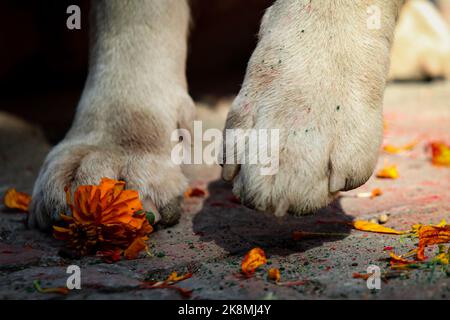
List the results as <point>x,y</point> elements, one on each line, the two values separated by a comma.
<point>236,228</point>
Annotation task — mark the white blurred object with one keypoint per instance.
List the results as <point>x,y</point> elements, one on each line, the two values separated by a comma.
<point>422,42</point>
<point>444,7</point>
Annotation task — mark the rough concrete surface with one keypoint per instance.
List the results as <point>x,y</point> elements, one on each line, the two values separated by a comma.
<point>215,232</point>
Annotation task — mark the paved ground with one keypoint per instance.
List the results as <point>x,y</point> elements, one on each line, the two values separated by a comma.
<point>215,232</point>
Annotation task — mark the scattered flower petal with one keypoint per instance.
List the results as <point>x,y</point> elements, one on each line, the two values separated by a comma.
<point>252,260</point>
<point>373,227</point>
<point>364,276</point>
<point>443,256</point>
<point>440,154</point>
<point>395,150</point>
<point>60,290</point>
<point>169,284</point>
<point>135,247</point>
<point>376,193</point>
<point>110,256</point>
<point>17,200</point>
<point>395,259</point>
<point>388,172</point>
<point>373,194</point>
<point>274,274</point>
<point>174,277</point>
<point>195,193</point>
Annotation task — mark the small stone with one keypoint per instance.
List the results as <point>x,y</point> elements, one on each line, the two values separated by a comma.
<point>373,220</point>
<point>383,218</point>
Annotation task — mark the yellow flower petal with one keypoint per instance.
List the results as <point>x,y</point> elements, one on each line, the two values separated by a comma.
<point>373,227</point>
<point>395,150</point>
<point>388,172</point>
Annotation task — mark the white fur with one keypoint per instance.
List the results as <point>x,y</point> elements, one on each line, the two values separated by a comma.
<point>134,97</point>
<point>422,43</point>
<point>313,58</point>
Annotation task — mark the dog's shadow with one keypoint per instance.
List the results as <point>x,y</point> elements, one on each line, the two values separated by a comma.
<point>237,229</point>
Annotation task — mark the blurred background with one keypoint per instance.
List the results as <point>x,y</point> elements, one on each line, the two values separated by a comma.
<point>43,65</point>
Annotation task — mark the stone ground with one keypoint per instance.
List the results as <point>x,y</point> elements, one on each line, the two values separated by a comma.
<point>215,232</point>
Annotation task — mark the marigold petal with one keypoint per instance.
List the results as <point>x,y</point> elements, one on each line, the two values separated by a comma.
<point>135,247</point>
<point>17,200</point>
<point>174,277</point>
<point>388,172</point>
<point>373,227</point>
<point>440,153</point>
<point>274,274</point>
<point>107,184</point>
<point>376,193</point>
<point>194,193</point>
<point>429,235</point>
<point>252,260</point>
<point>395,259</point>
<point>61,233</point>
<point>394,150</point>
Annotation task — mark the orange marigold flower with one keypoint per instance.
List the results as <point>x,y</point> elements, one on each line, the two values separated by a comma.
<point>252,260</point>
<point>104,218</point>
<point>440,154</point>
<point>17,200</point>
<point>274,274</point>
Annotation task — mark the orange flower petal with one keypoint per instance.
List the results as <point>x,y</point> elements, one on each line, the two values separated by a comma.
<point>396,260</point>
<point>107,183</point>
<point>110,256</point>
<point>373,227</point>
<point>135,247</point>
<point>388,172</point>
<point>174,277</point>
<point>440,154</point>
<point>61,233</point>
<point>373,194</point>
<point>194,193</point>
<point>17,200</point>
<point>376,193</point>
<point>274,274</point>
<point>252,260</point>
<point>363,276</point>
<point>429,235</point>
